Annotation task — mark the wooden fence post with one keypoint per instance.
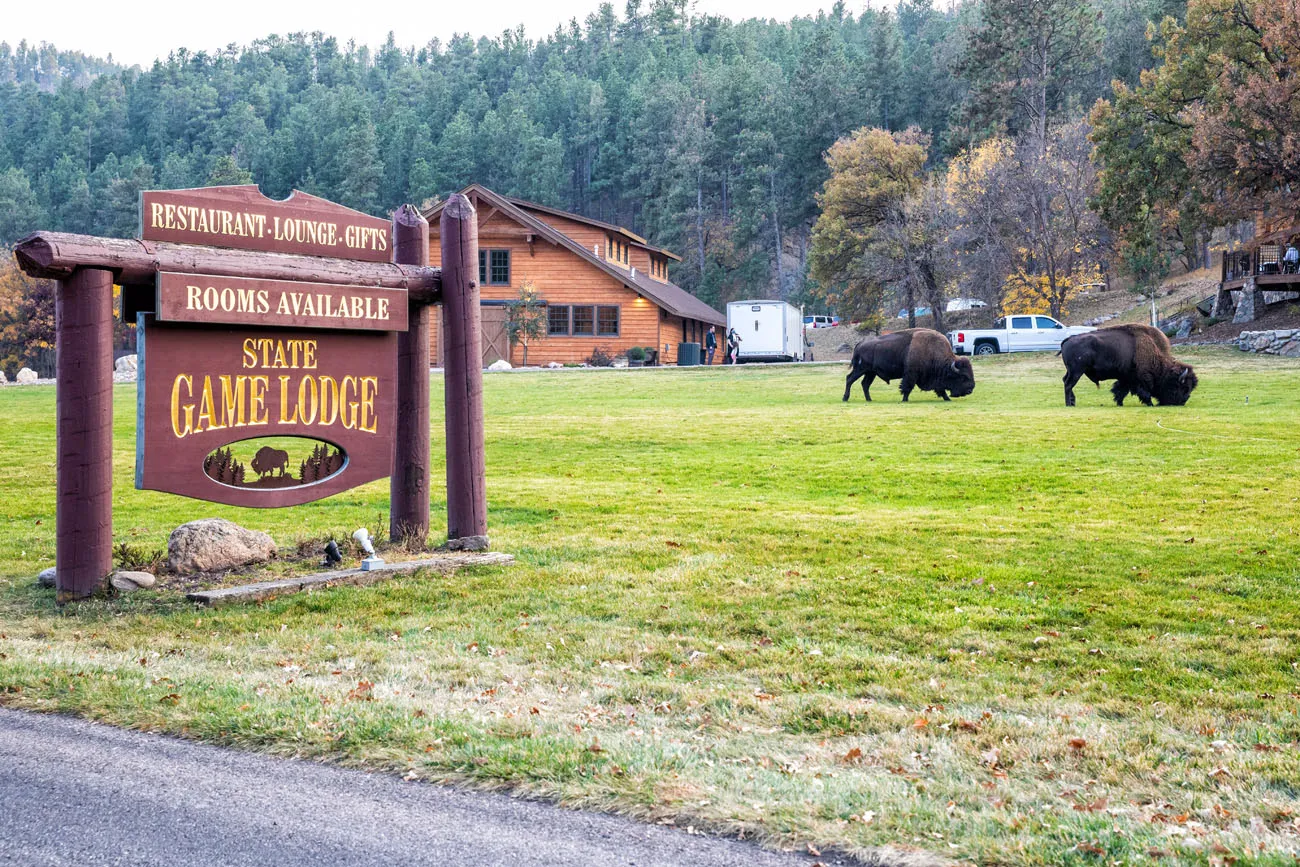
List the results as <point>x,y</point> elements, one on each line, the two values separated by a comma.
<point>84,500</point>
<point>466,491</point>
<point>409,485</point>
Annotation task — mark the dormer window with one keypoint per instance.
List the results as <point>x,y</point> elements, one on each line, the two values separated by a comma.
<point>659,267</point>
<point>616,250</point>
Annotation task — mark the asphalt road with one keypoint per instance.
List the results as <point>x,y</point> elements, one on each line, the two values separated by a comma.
<point>78,793</point>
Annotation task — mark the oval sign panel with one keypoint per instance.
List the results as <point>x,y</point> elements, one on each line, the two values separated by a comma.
<point>272,463</point>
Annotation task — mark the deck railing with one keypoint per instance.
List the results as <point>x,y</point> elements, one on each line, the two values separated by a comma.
<point>1266,259</point>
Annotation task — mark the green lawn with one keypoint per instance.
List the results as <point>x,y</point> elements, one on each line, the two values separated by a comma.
<point>995,629</point>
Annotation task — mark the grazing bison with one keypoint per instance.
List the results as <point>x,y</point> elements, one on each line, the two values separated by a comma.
<point>920,357</point>
<point>268,460</point>
<point>1137,357</point>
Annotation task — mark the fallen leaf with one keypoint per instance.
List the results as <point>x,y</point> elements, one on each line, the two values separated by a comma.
<point>1091,847</point>
<point>1095,807</point>
<point>363,691</point>
<point>1077,743</point>
<point>852,755</point>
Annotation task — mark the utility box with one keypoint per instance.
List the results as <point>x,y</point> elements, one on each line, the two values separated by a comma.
<point>768,330</point>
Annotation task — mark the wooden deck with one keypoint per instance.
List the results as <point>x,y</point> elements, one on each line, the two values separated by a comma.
<point>1273,282</point>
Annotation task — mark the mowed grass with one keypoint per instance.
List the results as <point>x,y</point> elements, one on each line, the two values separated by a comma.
<point>994,629</point>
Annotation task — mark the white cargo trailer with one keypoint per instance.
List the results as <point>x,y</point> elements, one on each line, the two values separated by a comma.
<point>768,330</point>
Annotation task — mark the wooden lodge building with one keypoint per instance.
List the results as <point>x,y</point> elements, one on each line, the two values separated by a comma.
<point>603,286</point>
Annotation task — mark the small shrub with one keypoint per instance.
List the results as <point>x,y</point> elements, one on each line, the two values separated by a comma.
<point>600,357</point>
<point>130,558</point>
<point>636,353</point>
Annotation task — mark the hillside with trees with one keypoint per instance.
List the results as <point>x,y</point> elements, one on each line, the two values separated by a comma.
<point>704,134</point>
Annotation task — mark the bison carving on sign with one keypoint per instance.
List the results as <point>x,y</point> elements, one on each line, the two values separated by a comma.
<point>920,357</point>
<point>1139,359</point>
<point>269,460</point>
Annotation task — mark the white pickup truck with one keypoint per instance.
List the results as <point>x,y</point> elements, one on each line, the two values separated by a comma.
<point>1014,334</point>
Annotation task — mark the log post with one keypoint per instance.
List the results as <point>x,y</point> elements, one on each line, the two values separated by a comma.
<point>84,504</point>
<point>463,373</point>
<point>409,484</point>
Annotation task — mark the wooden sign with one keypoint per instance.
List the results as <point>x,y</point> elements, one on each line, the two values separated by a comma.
<point>263,417</point>
<point>285,303</point>
<point>243,218</point>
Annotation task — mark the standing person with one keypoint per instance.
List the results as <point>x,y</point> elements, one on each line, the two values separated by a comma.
<point>1291,259</point>
<point>733,346</point>
<point>710,344</point>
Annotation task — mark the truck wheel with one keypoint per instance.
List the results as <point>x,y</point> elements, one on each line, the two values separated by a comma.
<point>986,348</point>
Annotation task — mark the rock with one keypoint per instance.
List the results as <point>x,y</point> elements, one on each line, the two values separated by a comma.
<point>4,380</point>
<point>844,347</point>
<point>1184,329</point>
<point>555,365</point>
<point>125,364</point>
<point>214,545</point>
<point>1262,342</point>
<point>1291,349</point>
<point>127,581</point>
<point>468,543</point>
<point>26,376</point>
<point>46,578</point>
<point>619,363</point>
<point>500,364</point>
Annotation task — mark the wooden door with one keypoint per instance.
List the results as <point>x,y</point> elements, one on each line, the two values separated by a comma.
<point>495,344</point>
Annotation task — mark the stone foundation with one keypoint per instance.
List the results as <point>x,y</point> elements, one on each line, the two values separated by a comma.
<point>1251,303</point>
<point>1284,341</point>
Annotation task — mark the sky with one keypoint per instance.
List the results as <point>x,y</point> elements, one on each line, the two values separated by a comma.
<point>138,31</point>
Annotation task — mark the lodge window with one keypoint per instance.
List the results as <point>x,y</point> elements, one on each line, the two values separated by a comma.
<point>499,267</point>
<point>617,251</point>
<point>494,267</point>
<point>582,321</point>
<point>557,321</point>
<point>607,321</point>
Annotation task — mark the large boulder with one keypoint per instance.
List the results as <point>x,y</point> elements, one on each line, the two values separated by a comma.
<point>500,364</point>
<point>46,578</point>
<point>4,380</point>
<point>125,364</point>
<point>214,545</point>
<point>26,376</point>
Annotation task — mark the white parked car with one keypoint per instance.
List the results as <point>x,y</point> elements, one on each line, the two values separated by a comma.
<point>1035,333</point>
<point>965,304</point>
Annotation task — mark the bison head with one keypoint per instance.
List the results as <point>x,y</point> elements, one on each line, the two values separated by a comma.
<point>1175,387</point>
<point>959,377</point>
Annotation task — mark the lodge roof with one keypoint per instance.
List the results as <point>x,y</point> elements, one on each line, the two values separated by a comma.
<point>609,227</point>
<point>669,296</point>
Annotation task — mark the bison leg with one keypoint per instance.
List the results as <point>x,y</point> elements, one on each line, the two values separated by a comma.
<point>1070,379</point>
<point>854,375</point>
<point>943,394</point>
<point>1120,390</point>
<point>867,379</point>
<point>906,387</point>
